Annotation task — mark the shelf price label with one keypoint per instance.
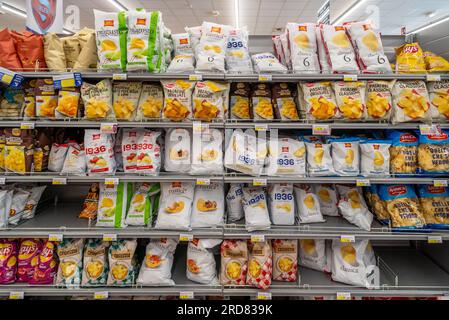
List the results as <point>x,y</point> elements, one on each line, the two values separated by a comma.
<point>259,182</point>
<point>2,181</point>
<point>433,77</point>
<point>202,181</point>
<point>261,127</point>
<point>101,295</point>
<point>434,239</point>
<point>350,77</point>
<point>321,130</point>
<point>345,238</point>
<point>427,130</point>
<point>67,80</point>
<point>343,295</point>
<point>263,295</point>
<point>195,77</point>
<point>111,181</point>
<point>119,76</point>
<point>110,128</point>
<point>362,183</point>
<point>265,77</point>
<point>16,295</point>
<point>257,238</point>
<point>56,237</point>
<point>186,295</point>
<point>185,237</point>
<point>440,183</point>
<point>110,237</point>
<point>199,127</point>
<point>10,78</point>
<point>26,125</point>
<point>59,181</point>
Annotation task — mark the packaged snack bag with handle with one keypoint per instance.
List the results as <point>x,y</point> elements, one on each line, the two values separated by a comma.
<point>282,203</point>
<point>285,260</point>
<point>8,261</point>
<point>352,206</point>
<point>47,265</point>
<point>122,262</point>
<point>208,206</point>
<point>303,47</point>
<point>256,209</point>
<point>95,263</point>
<point>70,253</point>
<point>403,152</point>
<point>201,266</point>
<point>439,100</point>
<point>211,50</point>
<point>113,203</point>
<point>10,59</point>
<point>234,262</point>
<point>99,148</point>
<point>319,101</point>
<point>27,259</point>
<point>433,153</point>
<point>238,59</point>
<point>307,203</point>
<point>260,265</point>
<point>410,101</point>
<point>410,58</point>
<point>234,199</point>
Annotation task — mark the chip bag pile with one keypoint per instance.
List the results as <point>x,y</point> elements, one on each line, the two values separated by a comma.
<point>435,63</point>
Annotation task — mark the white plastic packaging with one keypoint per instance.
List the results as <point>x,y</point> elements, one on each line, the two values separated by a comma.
<point>308,204</point>
<point>375,158</point>
<point>112,203</point>
<point>319,160</point>
<point>207,152</point>
<point>346,156</point>
<point>312,254</point>
<point>267,63</point>
<point>57,156</point>
<point>234,202</point>
<point>75,160</point>
<point>208,206</point>
<point>19,200</point>
<point>282,203</point>
<point>303,47</point>
<point>327,195</point>
<point>352,207</point>
<point>286,156</point>
<point>201,265</point>
<point>238,59</point>
<point>211,50</point>
<point>255,208</point>
<point>177,150</point>
<point>99,148</point>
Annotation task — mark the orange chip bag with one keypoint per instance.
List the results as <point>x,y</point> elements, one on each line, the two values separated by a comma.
<point>90,205</point>
<point>8,56</point>
<point>30,49</point>
<point>410,59</point>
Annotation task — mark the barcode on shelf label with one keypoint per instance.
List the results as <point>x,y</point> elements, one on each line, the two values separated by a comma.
<point>203,181</point>
<point>257,238</point>
<point>363,183</point>
<point>434,239</point>
<point>440,183</point>
<point>27,125</point>
<point>264,296</point>
<point>345,238</point>
<point>433,77</point>
<point>427,130</point>
<point>119,76</point>
<point>265,77</point>
<point>110,237</point>
<point>59,181</point>
<point>195,77</point>
<point>321,130</point>
<point>343,295</point>
<point>185,237</point>
<point>111,181</point>
<point>350,77</point>
<point>56,237</point>
<point>261,127</point>
<point>186,295</point>
<point>2,181</point>
<point>258,182</point>
<point>101,295</point>
<point>110,128</point>
<point>16,295</point>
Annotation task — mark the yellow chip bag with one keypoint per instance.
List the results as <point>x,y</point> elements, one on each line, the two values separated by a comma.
<point>97,100</point>
<point>150,102</point>
<point>126,96</point>
<point>410,59</point>
<point>350,98</point>
<point>410,101</point>
<point>68,103</point>
<point>284,102</point>
<point>378,99</point>
<point>435,63</point>
<point>208,100</point>
<point>439,99</point>
<point>320,101</point>
<point>261,101</point>
<point>178,99</point>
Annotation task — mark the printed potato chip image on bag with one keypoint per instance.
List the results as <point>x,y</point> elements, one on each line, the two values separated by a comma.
<point>433,153</point>
<point>46,267</point>
<point>439,99</point>
<point>403,152</point>
<point>90,204</point>
<point>57,155</point>
<point>410,58</point>
<point>410,101</point>
<point>234,262</point>
<point>435,206</point>
<point>32,201</point>
<point>211,50</point>
<point>99,148</point>
<point>29,100</point>
<point>201,266</point>
<point>97,100</point>
<point>68,103</point>
<point>239,100</point>
<point>353,208</point>
<point>284,102</point>
<point>208,100</point>
<point>178,151</point>
<point>140,207</point>
<point>178,99</point>
<point>238,59</point>
<point>207,152</point>
<point>286,157</point>
<point>256,209</point>
<point>346,156</point>
<point>19,150</point>
<point>307,203</point>
<point>375,158</point>
<point>75,160</point>
<point>129,143</point>
<point>285,260</point>
<point>183,60</point>
<point>27,259</point>
<point>303,46</point>
<point>261,102</point>
<point>126,97</point>
<point>282,203</point>
<point>267,63</point>
<point>9,250</point>
<point>234,199</point>
<point>113,204</point>
<point>151,101</point>
<point>378,99</point>
<point>95,263</point>
<point>319,101</point>
<point>260,265</point>
<point>350,97</point>
<point>70,254</point>
<point>149,157</point>
<point>328,198</point>
<point>46,98</point>
<point>122,263</point>
<point>319,160</point>
<point>313,255</point>
<point>402,205</point>
<point>208,206</point>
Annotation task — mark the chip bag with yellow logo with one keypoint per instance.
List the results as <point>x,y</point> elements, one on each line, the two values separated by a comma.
<point>308,204</point>
<point>346,156</point>
<point>178,99</point>
<point>375,158</point>
<point>151,101</point>
<point>286,157</point>
<point>411,101</point>
<point>439,100</point>
<point>378,99</point>
<point>126,97</point>
<point>352,206</point>
<point>350,98</point>
<point>234,262</point>
<point>282,203</point>
<point>319,160</point>
<point>97,100</point>
<point>410,58</point>
<point>8,261</point>
<point>328,199</point>
<point>435,205</point>
<point>70,253</point>
<point>435,63</point>
<point>122,263</point>
<point>303,46</point>
<point>95,263</point>
<point>285,260</point>
<point>433,153</point>
<point>211,50</point>
<point>208,100</point>
<point>27,259</point>
<point>47,265</point>
<point>256,210</point>
<point>260,265</point>
<point>319,101</point>
<point>238,59</point>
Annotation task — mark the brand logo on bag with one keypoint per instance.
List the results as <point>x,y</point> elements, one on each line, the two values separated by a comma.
<point>108,23</point>
<point>339,28</point>
<point>348,145</point>
<point>407,137</point>
<point>176,184</point>
<point>397,190</point>
<point>302,28</point>
<point>442,136</point>
<point>284,149</point>
<point>215,29</point>
<point>44,12</point>
<point>435,190</point>
<point>410,49</point>
<point>141,21</point>
<point>184,41</point>
<point>366,27</point>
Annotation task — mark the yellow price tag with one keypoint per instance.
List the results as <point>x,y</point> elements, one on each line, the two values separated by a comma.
<point>321,130</point>
<point>259,182</point>
<point>347,238</point>
<point>343,296</point>
<point>195,77</point>
<point>110,237</point>
<point>108,128</point>
<point>433,77</point>
<point>111,181</point>
<point>119,76</point>
<point>101,295</point>
<point>7,78</point>
<point>203,182</point>
<point>440,183</point>
<point>185,237</point>
<point>363,183</point>
<point>27,125</point>
<point>265,77</point>
<point>257,238</point>
<point>186,295</point>
<point>261,127</point>
<point>16,295</point>
<point>264,296</point>
<point>350,77</point>
<point>55,237</point>
<point>59,181</point>
<point>434,239</point>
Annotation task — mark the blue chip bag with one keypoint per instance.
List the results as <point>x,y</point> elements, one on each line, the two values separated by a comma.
<point>378,206</point>
<point>403,152</point>
<point>435,206</point>
<point>433,153</point>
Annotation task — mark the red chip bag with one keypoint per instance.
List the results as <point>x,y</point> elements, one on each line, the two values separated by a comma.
<point>47,265</point>
<point>30,49</point>
<point>8,55</point>
<point>28,258</point>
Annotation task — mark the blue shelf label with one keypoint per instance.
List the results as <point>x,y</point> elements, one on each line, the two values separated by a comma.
<point>67,80</point>
<point>10,78</point>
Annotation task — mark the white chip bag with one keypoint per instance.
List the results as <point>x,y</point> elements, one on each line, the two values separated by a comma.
<point>208,206</point>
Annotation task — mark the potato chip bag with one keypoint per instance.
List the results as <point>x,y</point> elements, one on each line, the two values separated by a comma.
<point>111,33</point>
<point>42,147</point>
<point>435,206</point>
<point>261,102</point>
<point>201,266</point>
<point>97,100</point>
<point>30,49</point>
<point>54,53</point>
<point>19,199</point>
<point>435,63</point>
<point>208,100</point>
<point>72,49</point>
<point>403,152</point>
<point>75,160</point>
<point>10,58</point>
<point>29,100</point>
<point>328,198</point>
<point>8,261</point>
<point>47,265</point>
<point>303,47</point>
<point>178,151</point>
<point>410,58</point>
<point>113,202</point>
<point>284,102</point>
<point>90,204</point>
<point>286,157</point>
<point>312,254</point>
<point>140,207</point>
<point>260,265</point>
<point>346,156</point>
<point>207,152</point>
<point>157,264</point>
<point>267,63</point>
<point>238,59</point>
<point>183,60</point>
<point>99,148</point>
<point>234,262</point>
<point>70,253</point>
<point>87,59</point>
<point>319,160</point>
<point>194,37</point>
<point>95,263</point>
<point>211,50</point>
<point>151,101</point>
<point>410,101</point>
<point>256,209</point>
<point>282,203</point>
<point>439,99</point>
<point>319,100</point>
<point>368,46</point>
<point>56,158</point>
<point>278,50</point>
<point>307,203</point>
<point>68,103</point>
<point>375,158</point>
<point>240,101</point>
<point>46,98</point>
<point>354,263</point>
<point>149,155</point>
<point>350,97</point>
<point>339,49</point>
<point>285,260</point>
<point>130,148</point>
<point>208,206</point>
<point>32,201</point>
<point>122,263</point>
<point>353,208</point>
<point>322,55</point>
<point>29,251</point>
<point>402,205</point>
<point>283,38</point>
<point>12,103</point>
<point>178,99</point>
<point>126,97</point>
<point>176,206</point>
<point>19,150</point>
<point>378,99</point>
<point>433,153</point>
<point>4,211</point>
<point>378,207</point>
<point>234,204</point>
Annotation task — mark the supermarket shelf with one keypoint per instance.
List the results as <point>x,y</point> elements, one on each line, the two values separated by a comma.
<point>63,219</point>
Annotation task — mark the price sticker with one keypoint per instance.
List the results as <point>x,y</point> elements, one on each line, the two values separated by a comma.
<point>111,181</point>
<point>195,77</point>
<point>350,77</point>
<point>16,295</point>
<point>56,237</point>
<point>110,237</point>
<point>27,125</point>
<point>186,295</point>
<point>265,77</point>
<point>2,181</point>
<point>363,183</point>
<point>59,181</point>
<point>427,130</point>
<point>203,181</point>
<point>185,237</point>
<point>261,126</point>
<point>257,238</point>
<point>101,295</point>
<point>67,80</point>
<point>440,183</point>
<point>119,76</point>
<point>197,127</point>
<point>10,78</point>
<point>434,239</point>
<point>109,128</point>
<point>433,77</point>
<point>259,182</point>
<point>347,238</point>
<point>264,296</point>
<point>343,295</point>
<point>321,130</point>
